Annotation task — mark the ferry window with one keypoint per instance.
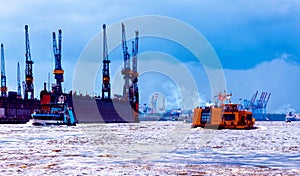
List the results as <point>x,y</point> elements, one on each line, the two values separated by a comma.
<point>229,116</point>
<point>226,108</point>
<point>249,116</point>
<point>205,117</point>
<point>231,108</point>
<point>235,109</point>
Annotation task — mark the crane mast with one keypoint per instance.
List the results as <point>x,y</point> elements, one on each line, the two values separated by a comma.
<point>106,90</point>
<point>19,81</point>
<point>126,70</point>
<point>58,71</point>
<point>135,74</point>
<point>3,77</point>
<point>28,70</point>
<point>135,52</point>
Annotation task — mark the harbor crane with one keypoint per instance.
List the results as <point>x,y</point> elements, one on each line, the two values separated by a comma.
<point>252,102</point>
<point>29,89</point>
<point>130,89</point>
<point>19,81</point>
<point>106,90</point>
<point>126,71</point>
<point>258,106</point>
<point>58,71</point>
<point>3,77</point>
<point>135,74</point>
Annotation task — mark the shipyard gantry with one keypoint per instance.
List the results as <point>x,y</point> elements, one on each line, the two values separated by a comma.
<point>130,88</point>
<point>106,89</point>
<point>58,71</point>
<point>29,89</point>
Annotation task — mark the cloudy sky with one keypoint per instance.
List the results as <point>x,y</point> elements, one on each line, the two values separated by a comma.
<point>257,42</point>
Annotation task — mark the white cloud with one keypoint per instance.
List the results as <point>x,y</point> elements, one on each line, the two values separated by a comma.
<point>278,77</point>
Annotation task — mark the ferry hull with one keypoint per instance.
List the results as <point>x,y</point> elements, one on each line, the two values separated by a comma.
<point>222,126</point>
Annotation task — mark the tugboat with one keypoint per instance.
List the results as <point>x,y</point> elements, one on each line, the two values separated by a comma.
<point>54,110</point>
<point>224,116</point>
<point>59,114</point>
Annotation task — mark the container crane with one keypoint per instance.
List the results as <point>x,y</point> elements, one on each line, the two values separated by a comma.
<point>19,81</point>
<point>3,77</point>
<point>267,100</point>
<point>126,71</point>
<point>106,90</point>
<point>28,70</point>
<point>58,71</point>
<point>252,102</point>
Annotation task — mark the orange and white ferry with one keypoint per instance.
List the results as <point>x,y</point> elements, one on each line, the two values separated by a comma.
<point>223,116</point>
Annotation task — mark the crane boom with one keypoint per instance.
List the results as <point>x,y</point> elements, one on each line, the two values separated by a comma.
<point>106,90</point>
<point>267,100</point>
<point>28,70</point>
<point>126,71</point>
<point>253,99</point>
<point>125,49</point>
<point>3,76</point>
<point>135,52</point>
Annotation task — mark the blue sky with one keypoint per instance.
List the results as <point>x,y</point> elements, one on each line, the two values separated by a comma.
<point>257,42</point>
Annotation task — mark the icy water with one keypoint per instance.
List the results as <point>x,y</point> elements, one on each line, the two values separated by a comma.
<point>149,148</point>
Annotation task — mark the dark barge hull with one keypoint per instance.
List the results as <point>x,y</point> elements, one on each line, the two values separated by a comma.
<point>17,110</point>
<point>94,110</point>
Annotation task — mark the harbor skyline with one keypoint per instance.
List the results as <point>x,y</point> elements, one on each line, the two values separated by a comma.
<point>257,42</point>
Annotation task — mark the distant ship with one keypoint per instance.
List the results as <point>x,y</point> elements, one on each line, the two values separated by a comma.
<point>291,116</point>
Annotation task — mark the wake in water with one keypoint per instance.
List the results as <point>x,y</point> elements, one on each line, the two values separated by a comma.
<point>161,148</point>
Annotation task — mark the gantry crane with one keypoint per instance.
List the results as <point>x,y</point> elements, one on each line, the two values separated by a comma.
<point>106,90</point>
<point>19,81</point>
<point>58,71</point>
<point>3,77</point>
<point>126,71</point>
<point>28,70</point>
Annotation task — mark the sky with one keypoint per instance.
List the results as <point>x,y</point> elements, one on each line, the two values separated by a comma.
<point>257,43</point>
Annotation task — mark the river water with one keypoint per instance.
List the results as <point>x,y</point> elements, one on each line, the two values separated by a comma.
<point>149,148</point>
